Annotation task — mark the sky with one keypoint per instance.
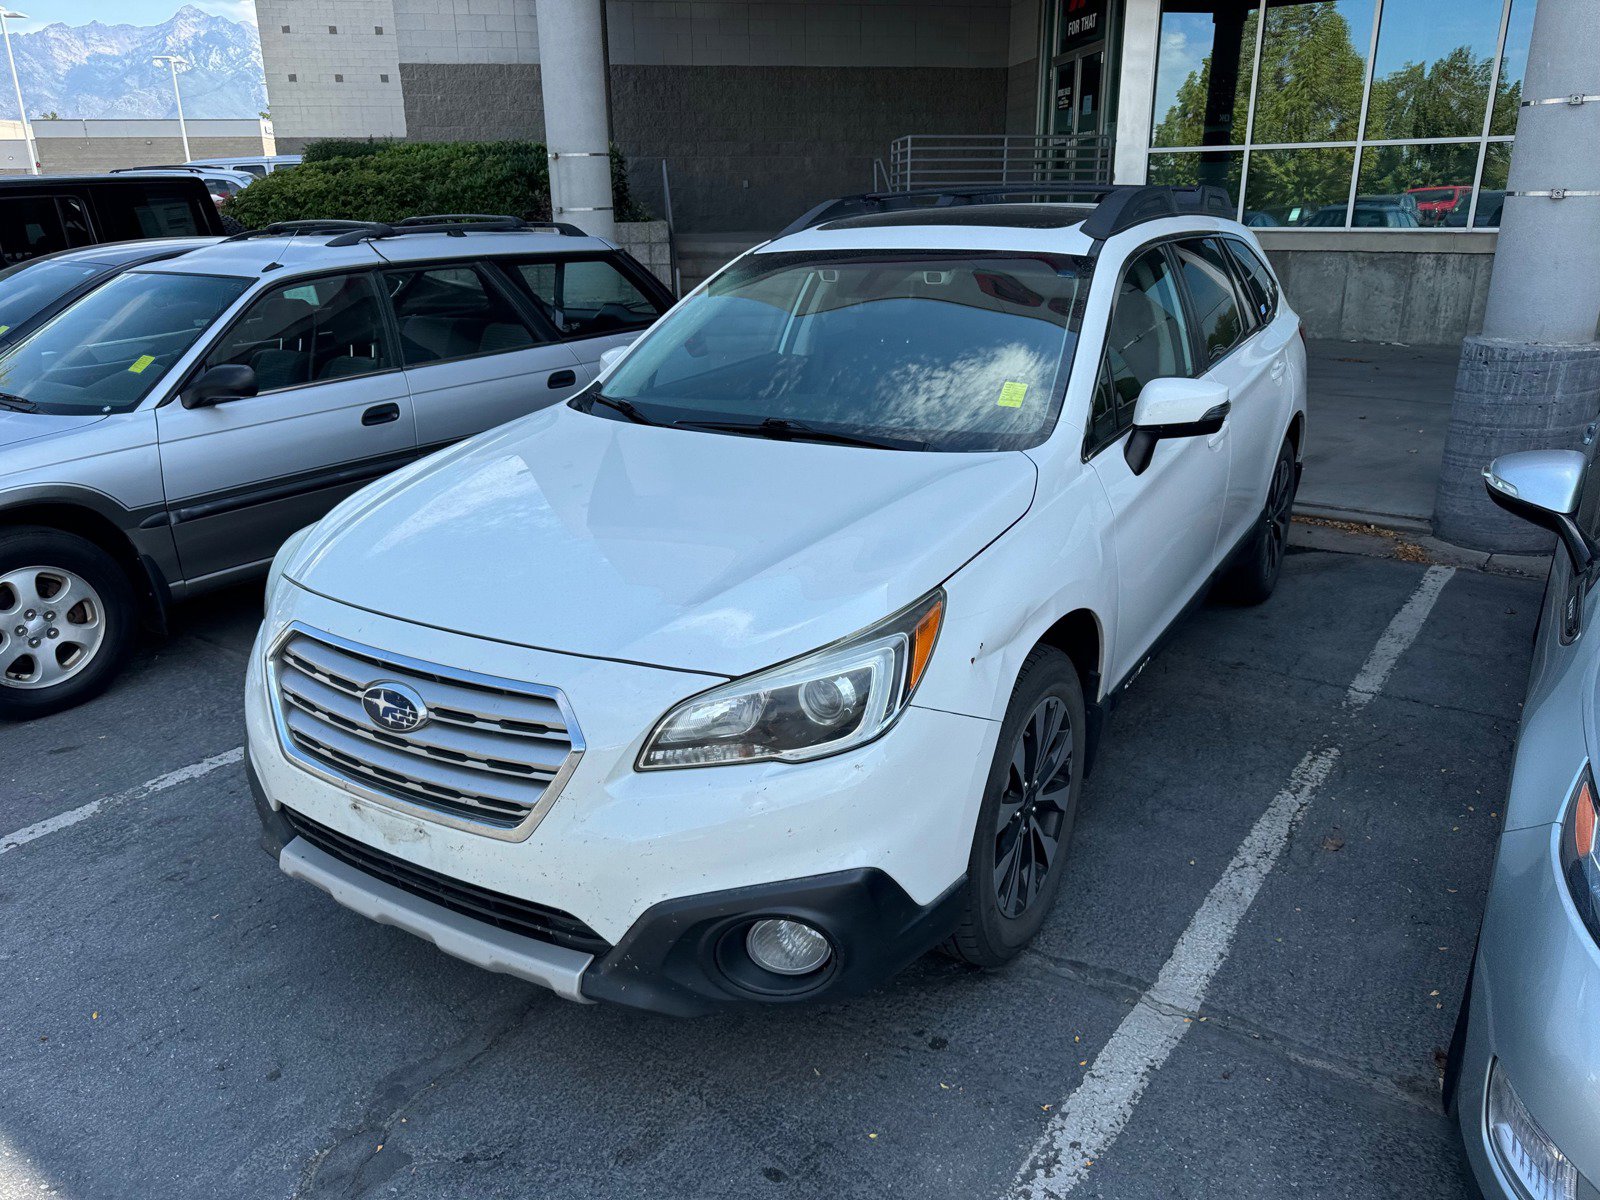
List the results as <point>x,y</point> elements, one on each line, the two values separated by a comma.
<point>122,12</point>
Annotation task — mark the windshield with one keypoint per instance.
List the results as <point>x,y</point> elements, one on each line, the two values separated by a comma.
<point>953,351</point>
<point>28,288</point>
<point>105,352</point>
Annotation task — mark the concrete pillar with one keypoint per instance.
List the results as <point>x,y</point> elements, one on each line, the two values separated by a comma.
<point>1532,379</point>
<point>577,121</point>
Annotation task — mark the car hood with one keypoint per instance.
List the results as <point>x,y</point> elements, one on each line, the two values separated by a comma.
<point>19,427</point>
<point>570,532</point>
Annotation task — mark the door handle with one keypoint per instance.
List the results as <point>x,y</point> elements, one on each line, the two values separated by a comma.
<point>1278,368</point>
<point>561,379</point>
<point>381,414</point>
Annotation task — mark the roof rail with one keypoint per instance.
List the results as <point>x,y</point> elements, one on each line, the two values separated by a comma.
<point>290,228</point>
<point>1116,206</point>
<point>351,233</point>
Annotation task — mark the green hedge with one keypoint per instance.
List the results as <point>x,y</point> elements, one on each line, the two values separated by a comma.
<point>389,180</point>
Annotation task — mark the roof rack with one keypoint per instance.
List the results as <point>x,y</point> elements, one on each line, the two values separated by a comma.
<point>1116,206</point>
<point>350,233</point>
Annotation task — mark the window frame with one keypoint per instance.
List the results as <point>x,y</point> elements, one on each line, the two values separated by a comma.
<point>1240,247</point>
<point>543,332</point>
<point>651,288</point>
<point>1092,448</point>
<point>248,301</point>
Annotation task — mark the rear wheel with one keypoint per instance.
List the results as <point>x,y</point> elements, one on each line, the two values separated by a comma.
<point>1254,575</point>
<point>1025,822</point>
<point>67,615</point>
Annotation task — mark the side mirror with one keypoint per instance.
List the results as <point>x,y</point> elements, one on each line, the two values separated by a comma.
<point>610,358</point>
<point>1543,486</point>
<point>1173,408</point>
<point>230,381</point>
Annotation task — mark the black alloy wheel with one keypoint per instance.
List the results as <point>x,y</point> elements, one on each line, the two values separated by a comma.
<point>1033,808</point>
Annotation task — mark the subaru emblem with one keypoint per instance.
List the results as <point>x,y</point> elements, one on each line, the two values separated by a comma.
<point>394,707</point>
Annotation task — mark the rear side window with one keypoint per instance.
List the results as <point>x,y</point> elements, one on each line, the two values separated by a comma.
<point>1206,275</point>
<point>453,312</point>
<point>31,226</point>
<point>586,297</point>
<point>312,331</point>
<point>1147,338</point>
<point>127,213</point>
<point>1259,285</point>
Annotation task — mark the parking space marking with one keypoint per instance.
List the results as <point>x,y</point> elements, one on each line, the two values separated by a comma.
<point>32,833</point>
<point>1085,1127</point>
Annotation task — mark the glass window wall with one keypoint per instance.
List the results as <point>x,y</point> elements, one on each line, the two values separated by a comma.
<point>1365,114</point>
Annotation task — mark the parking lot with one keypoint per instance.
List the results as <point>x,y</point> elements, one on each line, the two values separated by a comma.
<point>1252,972</point>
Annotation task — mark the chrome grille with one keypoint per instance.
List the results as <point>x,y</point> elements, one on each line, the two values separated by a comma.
<point>491,757</point>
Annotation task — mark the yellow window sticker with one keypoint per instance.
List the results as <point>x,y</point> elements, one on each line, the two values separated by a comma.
<point>1012,394</point>
<point>3,328</point>
<point>139,364</point>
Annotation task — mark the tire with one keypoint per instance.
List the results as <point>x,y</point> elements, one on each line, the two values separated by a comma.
<point>91,638</point>
<point>1007,896</point>
<point>1254,574</point>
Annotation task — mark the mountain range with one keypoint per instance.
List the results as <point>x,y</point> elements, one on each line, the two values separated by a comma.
<point>100,70</point>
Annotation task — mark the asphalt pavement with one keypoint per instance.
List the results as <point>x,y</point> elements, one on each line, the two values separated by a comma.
<point>178,1019</point>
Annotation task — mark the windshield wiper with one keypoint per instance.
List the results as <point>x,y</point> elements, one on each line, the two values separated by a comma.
<point>17,403</point>
<point>783,429</point>
<point>624,407</point>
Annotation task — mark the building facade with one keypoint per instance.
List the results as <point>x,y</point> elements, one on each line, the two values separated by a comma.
<point>72,146</point>
<point>1367,140</point>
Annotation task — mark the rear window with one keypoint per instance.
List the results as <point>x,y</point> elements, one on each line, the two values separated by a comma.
<point>35,225</point>
<point>105,352</point>
<point>158,210</point>
<point>586,297</point>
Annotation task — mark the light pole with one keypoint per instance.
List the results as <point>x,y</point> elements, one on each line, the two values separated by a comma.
<point>27,129</point>
<point>173,62</point>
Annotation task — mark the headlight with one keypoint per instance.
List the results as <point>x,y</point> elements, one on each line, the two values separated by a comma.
<point>1524,1149</point>
<point>830,700</point>
<point>1578,852</point>
<point>281,560</point>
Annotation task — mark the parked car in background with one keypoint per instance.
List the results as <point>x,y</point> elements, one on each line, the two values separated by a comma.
<point>32,292</point>
<point>1520,1074</point>
<point>1491,204</point>
<point>1435,204</point>
<point>222,184</point>
<point>777,657</point>
<point>46,213</point>
<point>1371,212</point>
<point>165,432</point>
<point>259,165</point>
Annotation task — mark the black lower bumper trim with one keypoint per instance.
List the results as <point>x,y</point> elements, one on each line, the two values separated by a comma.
<point>685,957</point>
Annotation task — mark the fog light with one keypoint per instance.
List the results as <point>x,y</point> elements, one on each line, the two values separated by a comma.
<point>787,947</point>
<point>1525,1151</point>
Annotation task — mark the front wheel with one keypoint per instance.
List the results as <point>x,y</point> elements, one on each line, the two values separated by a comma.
<point>1025,822</point>
<point>67,616</point>
<point>1254,575</point>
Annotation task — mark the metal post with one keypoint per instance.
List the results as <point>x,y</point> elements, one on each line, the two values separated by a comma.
<point>1532,379</point>
<point>16,81</point>
<point>172,61</point>
<point>573,79</point>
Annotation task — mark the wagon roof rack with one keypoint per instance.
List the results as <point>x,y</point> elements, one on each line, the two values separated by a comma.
<point>1116,207</point>
<point>350,233</point>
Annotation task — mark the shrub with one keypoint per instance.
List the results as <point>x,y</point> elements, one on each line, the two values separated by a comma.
<point>389,180</point>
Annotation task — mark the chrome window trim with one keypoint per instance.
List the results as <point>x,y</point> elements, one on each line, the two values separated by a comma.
<point>402,663</point>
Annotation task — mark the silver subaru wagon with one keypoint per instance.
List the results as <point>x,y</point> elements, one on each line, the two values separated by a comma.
<point>167,431</point>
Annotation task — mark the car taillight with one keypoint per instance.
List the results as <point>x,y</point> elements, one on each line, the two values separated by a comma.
<point>1579,863</point>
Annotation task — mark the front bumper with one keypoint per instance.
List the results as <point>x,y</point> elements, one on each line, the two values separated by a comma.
<point>1533,1013</point>
<point>659,871</point>
<point>682,957</point>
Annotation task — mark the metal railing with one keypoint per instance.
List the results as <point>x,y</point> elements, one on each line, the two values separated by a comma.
<point>939,160</point>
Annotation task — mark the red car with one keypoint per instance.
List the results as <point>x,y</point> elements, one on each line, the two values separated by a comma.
<point>1434,204</point>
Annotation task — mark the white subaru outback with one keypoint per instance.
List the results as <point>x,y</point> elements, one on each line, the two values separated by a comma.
<point>777,657</point>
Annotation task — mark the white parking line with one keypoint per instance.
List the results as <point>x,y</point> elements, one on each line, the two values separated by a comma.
<point>32,833</point>
<point>1093,1117</point>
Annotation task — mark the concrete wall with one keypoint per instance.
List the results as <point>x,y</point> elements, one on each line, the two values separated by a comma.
<point>1022,68</point>
<point>1420,289</point>
<point>72,147</point>
<point>649,242</point>
<point>346,73</point>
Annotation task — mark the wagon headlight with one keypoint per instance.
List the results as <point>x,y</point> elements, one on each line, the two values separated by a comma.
<point>1580,851</point>
<point>827,701</point>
